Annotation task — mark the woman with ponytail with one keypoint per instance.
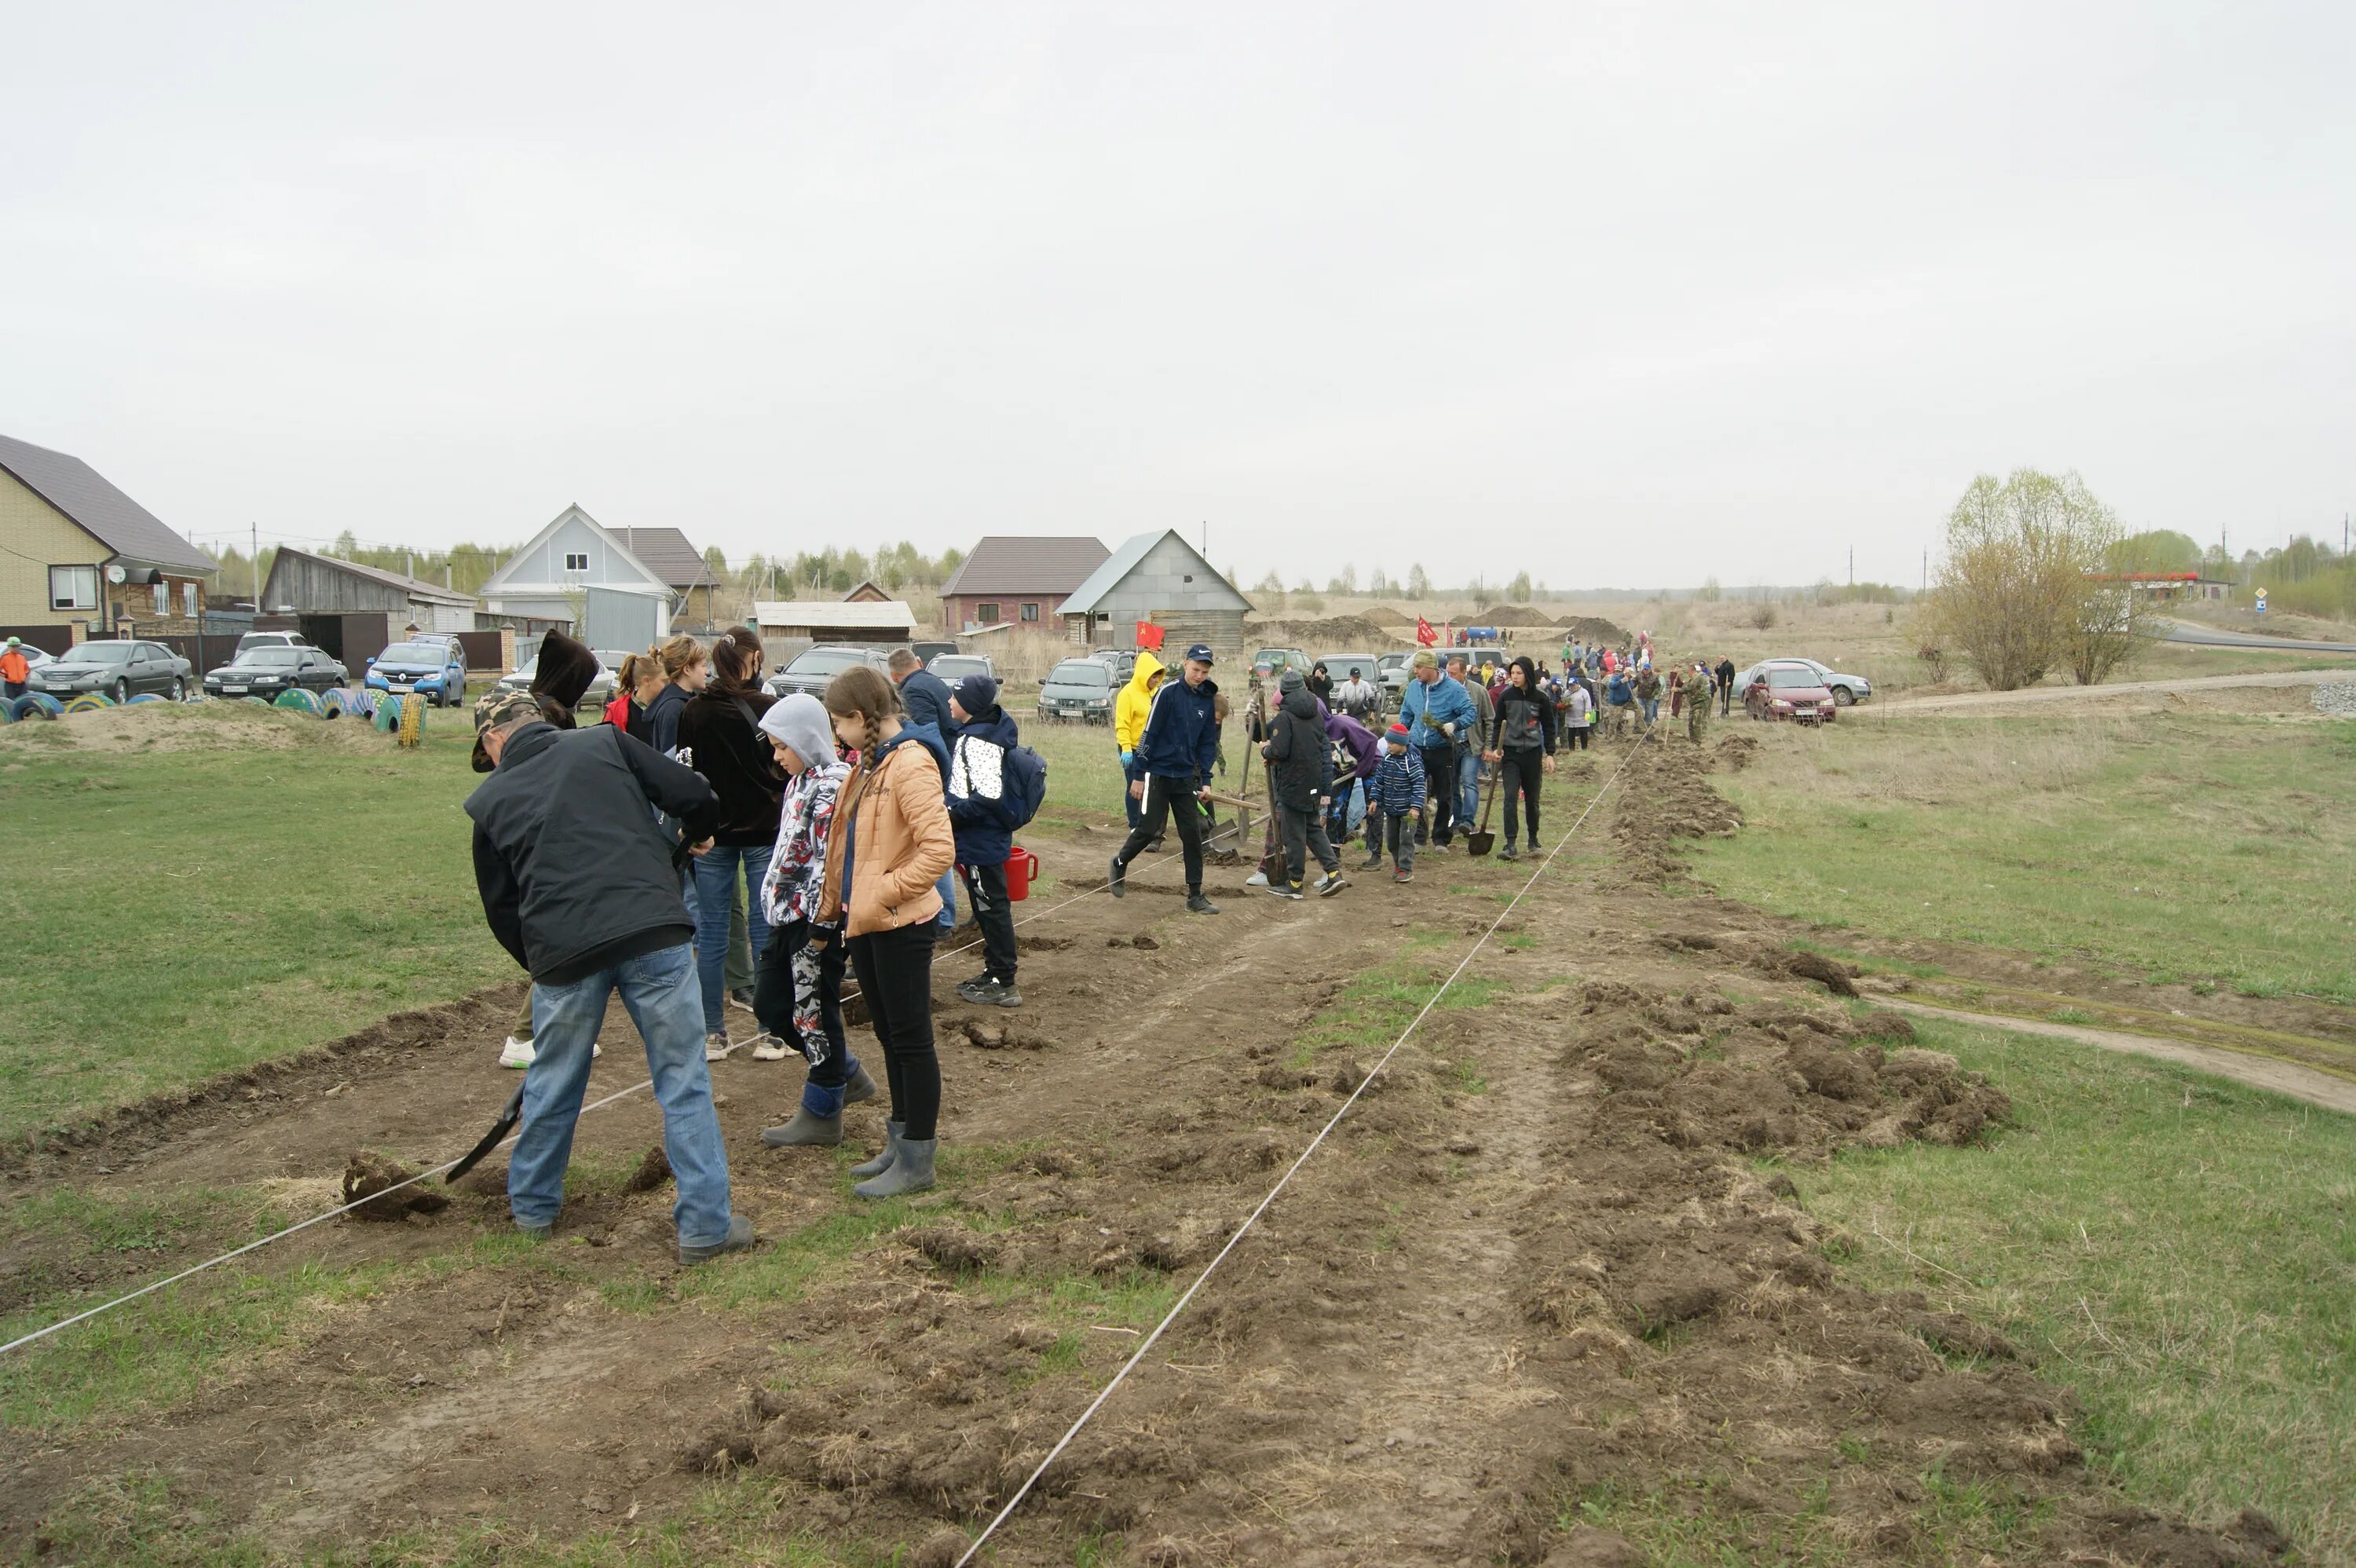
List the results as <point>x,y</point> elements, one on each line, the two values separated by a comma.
<point>720,737</point>
<point>890,843</point>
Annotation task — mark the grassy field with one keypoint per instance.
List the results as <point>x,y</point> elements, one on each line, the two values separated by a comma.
<point>180,913</point>
<point>2178,1250</point>
<point>2210,851</point>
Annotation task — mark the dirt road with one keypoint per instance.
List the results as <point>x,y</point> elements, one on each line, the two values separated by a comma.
<point>1534,1271</point>
<point>2138,694</point>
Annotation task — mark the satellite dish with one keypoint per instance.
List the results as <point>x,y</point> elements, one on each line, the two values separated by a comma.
<point>116,574</point>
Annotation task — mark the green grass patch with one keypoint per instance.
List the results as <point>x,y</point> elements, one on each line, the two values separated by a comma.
<point>2216,848</point>
<point>1692,1521</point>
<point>2178,1250</point>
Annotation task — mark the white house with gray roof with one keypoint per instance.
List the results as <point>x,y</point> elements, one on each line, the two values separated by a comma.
<point>579,571</point>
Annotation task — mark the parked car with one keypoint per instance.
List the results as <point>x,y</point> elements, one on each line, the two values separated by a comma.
<point>1270,661</point>
<point>1786,689</point>
<point>116,667</point>
<point>601,685</point>
<point>253,640</point>
<point>1394,677</point>
<point>955,668</point>
<point>434,666</point>
<point>1079,688</point>
<point>928,652</point>
<point>1848,690</point>
<point>813,667</point>
<point>1123,660</point>
<point>266,671</point>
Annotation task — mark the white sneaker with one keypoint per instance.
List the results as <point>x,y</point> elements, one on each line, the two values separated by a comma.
<point>596,1050</point>
<point>515,1053</point>
<point>769,1048</point>
<point>1256,879</point>
<point>715,1047</point>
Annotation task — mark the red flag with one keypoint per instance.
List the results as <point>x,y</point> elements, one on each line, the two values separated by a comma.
<point>1149,635</point>
<point>1424,635</point>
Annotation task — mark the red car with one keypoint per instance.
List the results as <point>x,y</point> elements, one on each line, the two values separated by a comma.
<point>1790,691</point>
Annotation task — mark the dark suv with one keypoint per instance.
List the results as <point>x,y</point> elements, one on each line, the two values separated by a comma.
<point>813,667</point>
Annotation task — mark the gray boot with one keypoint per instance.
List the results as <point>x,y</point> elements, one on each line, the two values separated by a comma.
<point>883,1161</point>
<point>806,1130</point>
<point>858,1086</point>
<point>911,1172</point>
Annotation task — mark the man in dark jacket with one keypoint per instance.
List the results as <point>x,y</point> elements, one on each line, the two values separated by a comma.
<point>582,885</point>
<point>1725,673</point>
<point>1301,767</point>
<point>981,815</point>
<point>1175,754</point>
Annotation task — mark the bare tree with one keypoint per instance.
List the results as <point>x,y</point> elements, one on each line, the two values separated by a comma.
<point>1418,582</point>
<point>2029,584</point>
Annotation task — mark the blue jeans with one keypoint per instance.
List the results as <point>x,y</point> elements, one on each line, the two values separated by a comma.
<point>947,888</point>
<point>659,989</point>
<point>1468,787</point>
<point>1652,706</point>
<point>715,900</point>
<point>1129,774</point>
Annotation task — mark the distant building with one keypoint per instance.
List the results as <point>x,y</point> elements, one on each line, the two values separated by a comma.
<point>1017,578</point>
<point>867,593</point>
<point>1157,576</point>
<point>302,584</point>
<point>886,623</point>
<point>80,550</point>
<point>667,553</point>
<point>579,573</point>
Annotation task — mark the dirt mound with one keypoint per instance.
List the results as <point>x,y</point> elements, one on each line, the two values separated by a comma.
<point>1347,632</point>
<point>1384,615</point>
<point>1516,616</point>
<point>1667,797</point>
<point>1594,629</point>
<point>192,727</point>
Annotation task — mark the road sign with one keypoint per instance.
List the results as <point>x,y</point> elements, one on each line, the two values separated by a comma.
<point>2262,600</point>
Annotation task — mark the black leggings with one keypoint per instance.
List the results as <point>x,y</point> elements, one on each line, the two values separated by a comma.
<point>1523,771</point>
<point>895,974</point>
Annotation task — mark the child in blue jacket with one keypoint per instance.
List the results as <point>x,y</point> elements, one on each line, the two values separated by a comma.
<point>1394,795</point>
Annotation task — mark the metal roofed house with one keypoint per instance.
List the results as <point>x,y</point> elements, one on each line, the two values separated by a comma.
<point>673,557</point>
<point>81,551</point>
<point>888,624</point>
<point>1019,578</point>
<point>1157,576</point>
<point>579,573</point>
<point>303,583</point>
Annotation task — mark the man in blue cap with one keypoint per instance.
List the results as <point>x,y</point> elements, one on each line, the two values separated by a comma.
<point>1175,754</point>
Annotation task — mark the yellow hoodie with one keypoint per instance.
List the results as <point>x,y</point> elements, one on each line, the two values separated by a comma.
<point>1136,701</point>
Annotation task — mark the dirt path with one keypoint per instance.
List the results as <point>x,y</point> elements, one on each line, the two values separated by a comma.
<point>2145,693</point>
<point>1532,1272</point>
<point>2258,1072</point>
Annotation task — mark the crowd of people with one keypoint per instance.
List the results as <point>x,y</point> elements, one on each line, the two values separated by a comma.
<point>711,846</point>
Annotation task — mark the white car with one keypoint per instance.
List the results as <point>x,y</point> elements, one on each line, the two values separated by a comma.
<point>1848,690</point>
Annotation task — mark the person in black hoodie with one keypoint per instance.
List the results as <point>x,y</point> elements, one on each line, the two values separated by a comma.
<point>1521,744</point>
<point>1300,770</point>
<point>580,882</point>
<point>924,700</point>
<point>720,737</point>
<point>983,820</point>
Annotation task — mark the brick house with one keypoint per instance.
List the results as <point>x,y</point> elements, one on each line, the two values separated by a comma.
<point>1019,578</point>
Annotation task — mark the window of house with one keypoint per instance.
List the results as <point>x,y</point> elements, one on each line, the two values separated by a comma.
<point>73,588</point>
<point>1030,612</point>
<point>576,560</point>
<point>189,600</point>
<point>163,597</point>
<point>987,613</point>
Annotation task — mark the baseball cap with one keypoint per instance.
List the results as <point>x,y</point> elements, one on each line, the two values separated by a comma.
<point>494,709</point>
<point>1200,652</point>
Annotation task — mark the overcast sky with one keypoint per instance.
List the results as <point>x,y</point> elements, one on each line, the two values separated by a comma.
<point>1622,295</point>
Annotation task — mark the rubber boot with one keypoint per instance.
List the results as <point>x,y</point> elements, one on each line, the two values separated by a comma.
<point>911,1172</point>
<point>857,1086</point>
<point>817,1121</point>
<point>883,1161</point>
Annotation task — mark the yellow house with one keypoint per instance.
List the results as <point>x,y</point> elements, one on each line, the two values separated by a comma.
<point>79,555</point>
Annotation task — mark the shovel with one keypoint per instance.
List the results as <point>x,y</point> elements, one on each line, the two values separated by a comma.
<point>499,1129</point>
<point>1481,840</point>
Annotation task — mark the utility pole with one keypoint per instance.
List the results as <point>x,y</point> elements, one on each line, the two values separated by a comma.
<point>1852,566</point>
<point>256,532</point>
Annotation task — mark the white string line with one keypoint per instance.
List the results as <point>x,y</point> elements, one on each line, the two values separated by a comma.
<point>1171,1316</point>
<point>86,1315</point>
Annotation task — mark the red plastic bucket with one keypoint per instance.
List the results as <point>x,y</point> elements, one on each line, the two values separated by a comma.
<point>1021,866</point>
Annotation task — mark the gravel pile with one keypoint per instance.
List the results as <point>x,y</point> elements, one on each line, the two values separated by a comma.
<point>2337,698</point>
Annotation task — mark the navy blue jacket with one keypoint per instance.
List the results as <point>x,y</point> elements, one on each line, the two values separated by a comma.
<point>1182,734</point>
<point>928,702</point>
<point>978,813</point>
